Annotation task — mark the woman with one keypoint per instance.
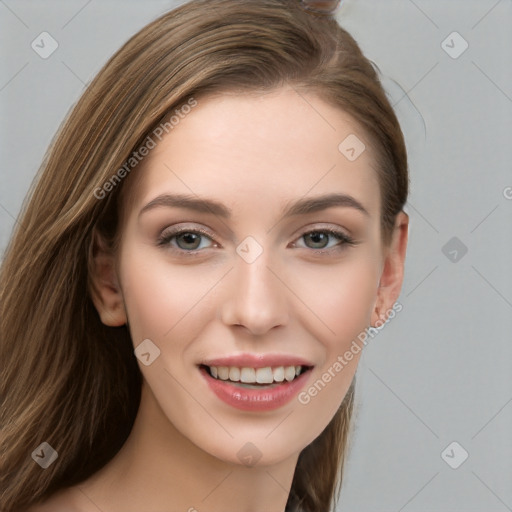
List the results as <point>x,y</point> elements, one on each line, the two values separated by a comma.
<point>218,220</point>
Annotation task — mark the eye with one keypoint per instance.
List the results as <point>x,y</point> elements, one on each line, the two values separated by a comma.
<point>193,240</point>
<point>188,240</point>
<point>326,240</point>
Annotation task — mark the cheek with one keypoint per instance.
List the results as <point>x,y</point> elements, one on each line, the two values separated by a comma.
<point>346,301</point>
<point>340,302</point>
<point>340,299</point>
<point>161,299</point>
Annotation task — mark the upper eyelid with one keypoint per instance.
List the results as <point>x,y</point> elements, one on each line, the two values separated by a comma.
<point>172,231</point>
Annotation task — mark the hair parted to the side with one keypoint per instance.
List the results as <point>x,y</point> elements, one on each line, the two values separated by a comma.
<point>65,377</point>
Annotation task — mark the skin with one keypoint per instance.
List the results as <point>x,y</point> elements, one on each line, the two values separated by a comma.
<point>255,153</point>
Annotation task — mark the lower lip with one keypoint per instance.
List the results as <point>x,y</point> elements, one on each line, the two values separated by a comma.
<point>246,399</point>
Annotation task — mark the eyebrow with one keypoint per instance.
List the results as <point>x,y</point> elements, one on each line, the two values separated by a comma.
<point>299,207</point>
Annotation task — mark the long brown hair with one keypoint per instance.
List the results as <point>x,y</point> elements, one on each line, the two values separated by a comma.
<point>68,379</point>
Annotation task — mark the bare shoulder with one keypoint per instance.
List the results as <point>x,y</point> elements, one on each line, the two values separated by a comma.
<point>66,500</point>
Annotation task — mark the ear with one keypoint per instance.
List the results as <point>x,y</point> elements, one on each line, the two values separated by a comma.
<point>392,271</point>
<point>105,290</point>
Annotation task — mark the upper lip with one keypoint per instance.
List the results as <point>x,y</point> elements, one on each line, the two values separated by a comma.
<point>257,360</point>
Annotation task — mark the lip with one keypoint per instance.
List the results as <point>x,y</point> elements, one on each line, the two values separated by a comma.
<point>246,399</point>
<point>258,360</point>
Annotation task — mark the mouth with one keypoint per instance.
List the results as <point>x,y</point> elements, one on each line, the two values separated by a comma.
<point>256,378</point>
<point>256,388</point>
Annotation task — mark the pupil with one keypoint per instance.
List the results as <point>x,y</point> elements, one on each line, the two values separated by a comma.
<point>318,238</point>
<point>190,238</point>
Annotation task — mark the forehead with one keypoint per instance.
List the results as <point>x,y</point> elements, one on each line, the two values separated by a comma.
<point>262,148</point>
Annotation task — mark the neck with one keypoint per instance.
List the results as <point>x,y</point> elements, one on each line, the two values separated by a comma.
<point>158,466</point>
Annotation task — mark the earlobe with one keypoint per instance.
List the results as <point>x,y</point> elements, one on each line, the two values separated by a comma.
<point>392,274</point>
<point>105,291</point>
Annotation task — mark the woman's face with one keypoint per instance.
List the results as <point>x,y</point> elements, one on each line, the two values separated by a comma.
<point>234,254</point>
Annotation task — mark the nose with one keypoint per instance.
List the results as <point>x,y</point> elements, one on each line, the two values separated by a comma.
<point>256,298</point>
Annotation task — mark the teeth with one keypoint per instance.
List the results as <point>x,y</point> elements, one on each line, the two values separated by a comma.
<point>289,373</point>
<point>279,374</point>
<point>234,374</point>
<point>247,375</point>
<point>223,372</point>
<point>264,375</point>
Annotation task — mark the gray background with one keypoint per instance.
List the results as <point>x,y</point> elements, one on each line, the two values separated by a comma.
<point>440,370</point>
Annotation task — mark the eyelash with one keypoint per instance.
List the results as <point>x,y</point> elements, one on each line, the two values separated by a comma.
<point>345,240</point>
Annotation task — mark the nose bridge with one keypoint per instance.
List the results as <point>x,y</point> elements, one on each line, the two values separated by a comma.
<point>256,298</point>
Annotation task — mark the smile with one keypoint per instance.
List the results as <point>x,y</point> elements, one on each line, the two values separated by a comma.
<point>255,389</point>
